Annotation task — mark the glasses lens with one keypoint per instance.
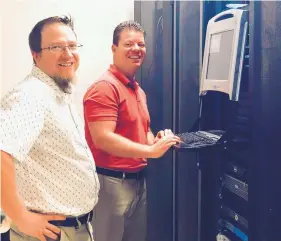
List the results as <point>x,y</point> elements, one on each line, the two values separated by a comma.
<point>74,47</point>
<point>56,49</point>
<point>71,48</point>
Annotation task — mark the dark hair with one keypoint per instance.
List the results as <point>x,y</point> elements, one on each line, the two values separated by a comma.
<point>132,25</point>
<point>35,36</point>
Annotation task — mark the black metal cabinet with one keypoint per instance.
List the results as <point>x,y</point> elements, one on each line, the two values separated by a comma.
<point>170,78</point>
<point>265,89</point>
<point>187,193</point>
<point>156,78</point>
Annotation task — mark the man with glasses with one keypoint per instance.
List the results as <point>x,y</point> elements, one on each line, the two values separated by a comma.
<point>49,184</point>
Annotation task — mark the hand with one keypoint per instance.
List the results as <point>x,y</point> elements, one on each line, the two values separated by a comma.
<point>162,133</point>
<point>159,148</point>
<point>38,226</point>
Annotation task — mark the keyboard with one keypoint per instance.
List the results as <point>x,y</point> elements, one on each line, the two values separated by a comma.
<point>198,139</point>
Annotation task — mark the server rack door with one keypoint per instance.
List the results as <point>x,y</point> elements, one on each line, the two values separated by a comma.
<point>156,76</point>
<point>265,87</point>
<point>187,53</point>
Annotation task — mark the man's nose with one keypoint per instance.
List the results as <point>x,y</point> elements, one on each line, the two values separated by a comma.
<point>66,51</point>
<point>136,47</point>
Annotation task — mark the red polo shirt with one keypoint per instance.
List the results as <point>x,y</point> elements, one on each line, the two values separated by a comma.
<point>113,97</point>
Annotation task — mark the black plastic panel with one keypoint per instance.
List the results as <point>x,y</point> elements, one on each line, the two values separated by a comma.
<point>236,186</point>
<point>234,216</point>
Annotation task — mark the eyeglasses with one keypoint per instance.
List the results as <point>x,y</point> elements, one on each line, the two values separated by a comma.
<point>58,49</point>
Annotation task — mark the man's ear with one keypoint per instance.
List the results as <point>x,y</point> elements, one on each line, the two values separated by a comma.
<point>36,56</point>
<point>113,48</point>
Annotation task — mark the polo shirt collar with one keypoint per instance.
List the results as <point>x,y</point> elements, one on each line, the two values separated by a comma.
<point>39,74</point>
<point>121,77</point>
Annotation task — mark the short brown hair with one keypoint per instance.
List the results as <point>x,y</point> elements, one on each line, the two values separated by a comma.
<point>35,36</point>
<point>132,25</point>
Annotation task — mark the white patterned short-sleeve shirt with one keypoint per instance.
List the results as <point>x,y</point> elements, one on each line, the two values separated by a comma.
<point>40,128</point>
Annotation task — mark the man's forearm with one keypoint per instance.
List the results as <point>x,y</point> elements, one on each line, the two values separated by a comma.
<point>120,146</point>
<point>10,201</point>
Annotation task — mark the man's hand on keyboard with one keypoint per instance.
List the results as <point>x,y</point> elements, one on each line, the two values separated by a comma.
<point>162,133</point>
<point>159,148</point>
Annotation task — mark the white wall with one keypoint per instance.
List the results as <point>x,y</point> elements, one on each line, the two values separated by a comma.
<point>94,22</point>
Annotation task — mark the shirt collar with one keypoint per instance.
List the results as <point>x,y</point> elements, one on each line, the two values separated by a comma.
<point>121,77</point>
<point>39,74</point>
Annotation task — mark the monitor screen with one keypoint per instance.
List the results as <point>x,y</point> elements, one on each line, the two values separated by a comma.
<point>220,54</point>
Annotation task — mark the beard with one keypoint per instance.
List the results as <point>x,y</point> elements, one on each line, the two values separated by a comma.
<point>64,84</point>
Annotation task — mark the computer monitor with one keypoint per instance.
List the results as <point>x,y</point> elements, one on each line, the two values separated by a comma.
<point>224,53</point>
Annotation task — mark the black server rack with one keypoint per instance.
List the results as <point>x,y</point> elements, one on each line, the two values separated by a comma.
<point>233,210</point>
<point>235,191</point>
<point>155,78</point>
<point>265,89</point>
<point>245,203</point>
<point>171,87</point>
<point>224,180</point>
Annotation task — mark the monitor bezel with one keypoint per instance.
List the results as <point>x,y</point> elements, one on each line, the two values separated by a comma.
<point>229,24</point>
